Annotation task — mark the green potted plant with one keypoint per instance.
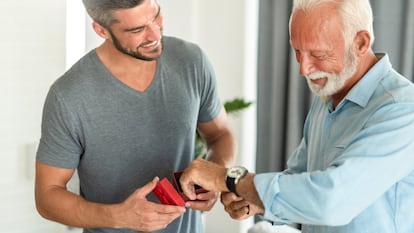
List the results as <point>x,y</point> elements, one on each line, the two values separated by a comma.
<point>232,106</point>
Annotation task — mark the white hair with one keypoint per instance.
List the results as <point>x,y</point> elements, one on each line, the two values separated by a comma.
<point>356,15</point>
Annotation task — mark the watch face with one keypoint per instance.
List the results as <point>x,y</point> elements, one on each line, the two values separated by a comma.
<point>236,171</point>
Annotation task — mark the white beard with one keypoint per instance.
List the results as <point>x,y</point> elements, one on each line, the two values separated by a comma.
<point>334,82</point>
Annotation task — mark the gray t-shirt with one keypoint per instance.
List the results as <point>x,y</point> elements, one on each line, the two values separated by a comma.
<point>119,138</point>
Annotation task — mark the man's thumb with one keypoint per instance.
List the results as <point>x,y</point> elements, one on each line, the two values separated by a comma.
<point>146,189</point>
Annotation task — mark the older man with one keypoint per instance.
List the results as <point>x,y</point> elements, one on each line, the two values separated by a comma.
<point>354,168</point>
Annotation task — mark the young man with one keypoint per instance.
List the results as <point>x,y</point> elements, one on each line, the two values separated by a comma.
<point>125,114</point>
<point>354,169</point>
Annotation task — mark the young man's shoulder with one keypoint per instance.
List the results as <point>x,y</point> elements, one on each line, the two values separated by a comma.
<point>83,74</point>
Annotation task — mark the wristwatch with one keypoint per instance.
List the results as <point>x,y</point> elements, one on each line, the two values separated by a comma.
<point>234,174</point>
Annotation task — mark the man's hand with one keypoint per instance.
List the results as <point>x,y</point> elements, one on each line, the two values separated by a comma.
<point>237,207</point>
<point>208,175</point>
<point>204,202</point>
<point>139,214</point>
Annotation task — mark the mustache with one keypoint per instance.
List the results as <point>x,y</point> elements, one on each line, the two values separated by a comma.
<point>319,74</point>
<point>153,41</point>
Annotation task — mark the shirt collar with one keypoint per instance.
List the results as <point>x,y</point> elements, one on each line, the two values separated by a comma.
<point>364,89</point>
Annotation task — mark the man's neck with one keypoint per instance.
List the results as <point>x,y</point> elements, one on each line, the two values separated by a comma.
<point>135,73</point>
<point>364,65</point>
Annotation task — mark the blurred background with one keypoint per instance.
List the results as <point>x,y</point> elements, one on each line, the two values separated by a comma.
<point>247,43</point>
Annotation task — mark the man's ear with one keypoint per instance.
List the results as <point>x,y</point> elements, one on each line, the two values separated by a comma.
<point>362,42</point>
<point>100,30</point>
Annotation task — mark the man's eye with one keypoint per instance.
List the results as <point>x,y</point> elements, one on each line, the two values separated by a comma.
<point>319,56</point>
<point>137,30</point>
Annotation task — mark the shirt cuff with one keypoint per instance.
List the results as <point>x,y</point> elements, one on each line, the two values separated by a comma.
<point>267,186</point>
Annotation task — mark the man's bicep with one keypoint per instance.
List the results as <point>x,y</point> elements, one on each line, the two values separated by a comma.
<point>48,176</point>
<point>210,130</point>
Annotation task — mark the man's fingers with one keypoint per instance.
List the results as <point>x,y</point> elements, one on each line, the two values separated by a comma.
<point>159,221</point>
<point>188,188</point>
<point>204,202</point>
<point>146,189</point>
<point>227,198</point>
<point>240,214</point>
<point>207,196</point>
<point>235,206</point>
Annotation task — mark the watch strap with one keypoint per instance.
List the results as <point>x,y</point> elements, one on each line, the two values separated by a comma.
<point>231,184</point>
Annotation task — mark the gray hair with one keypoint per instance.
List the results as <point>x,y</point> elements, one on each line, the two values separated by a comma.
<point>356,15</point>
<point>101,10</point>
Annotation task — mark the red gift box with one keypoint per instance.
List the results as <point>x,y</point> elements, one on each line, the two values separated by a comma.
<point>177,185</point>
<point>170,195</point>
<point>167,194</point>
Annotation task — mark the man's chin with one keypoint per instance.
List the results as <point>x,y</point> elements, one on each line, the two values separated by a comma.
<point>322,92</point>
<point>147,57</point>
<point>152,55</point>
<point>324,98</point>
<point>327,90</point>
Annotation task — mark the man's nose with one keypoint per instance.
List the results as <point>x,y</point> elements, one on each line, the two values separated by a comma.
<point>306,65</point>
<point>153,31</point>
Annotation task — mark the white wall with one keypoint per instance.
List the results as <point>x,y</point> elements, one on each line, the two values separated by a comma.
<point>35,53</point>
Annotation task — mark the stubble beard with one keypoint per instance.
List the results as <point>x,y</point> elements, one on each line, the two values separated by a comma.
<point>155,53</point>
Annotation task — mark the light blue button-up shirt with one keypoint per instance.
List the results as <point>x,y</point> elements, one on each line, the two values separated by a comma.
<point>353,171</point>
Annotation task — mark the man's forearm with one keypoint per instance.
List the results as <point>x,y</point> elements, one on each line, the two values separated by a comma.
<point>60,205</point>
<point>223,150</point>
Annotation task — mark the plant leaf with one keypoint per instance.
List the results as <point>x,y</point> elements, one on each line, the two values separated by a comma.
<point>236,105</point>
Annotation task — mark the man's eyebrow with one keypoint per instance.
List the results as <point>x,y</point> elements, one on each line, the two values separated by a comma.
<point>142,27</point>
<point>134,29</point>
